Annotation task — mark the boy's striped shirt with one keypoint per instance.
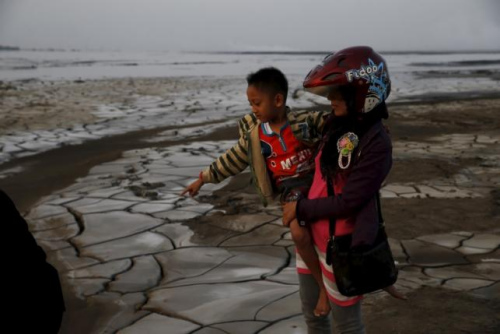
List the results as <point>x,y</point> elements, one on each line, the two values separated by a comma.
<point>305,125</point>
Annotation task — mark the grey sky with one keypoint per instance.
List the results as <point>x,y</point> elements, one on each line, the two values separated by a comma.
<point>298,25</point>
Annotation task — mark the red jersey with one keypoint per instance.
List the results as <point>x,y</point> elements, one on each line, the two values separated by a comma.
<point>285,156</point>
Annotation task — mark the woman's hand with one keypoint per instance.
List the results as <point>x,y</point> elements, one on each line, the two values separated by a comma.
<point>289,212</point>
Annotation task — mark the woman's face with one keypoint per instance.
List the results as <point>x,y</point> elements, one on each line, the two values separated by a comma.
<point>339,107</point>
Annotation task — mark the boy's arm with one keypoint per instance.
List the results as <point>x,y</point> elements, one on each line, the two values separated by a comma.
<point>313,122</point>
<point>316,121</point>
<point>230,163</point>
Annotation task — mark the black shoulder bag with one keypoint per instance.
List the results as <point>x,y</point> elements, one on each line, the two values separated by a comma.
<point>360,271</point>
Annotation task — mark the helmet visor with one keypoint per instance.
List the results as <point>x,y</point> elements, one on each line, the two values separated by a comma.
<point>324,91</point>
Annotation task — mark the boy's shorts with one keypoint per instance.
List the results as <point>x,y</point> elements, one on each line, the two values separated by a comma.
<point>294,188</point>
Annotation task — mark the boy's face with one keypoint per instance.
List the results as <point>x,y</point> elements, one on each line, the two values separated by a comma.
<point>265,106</point>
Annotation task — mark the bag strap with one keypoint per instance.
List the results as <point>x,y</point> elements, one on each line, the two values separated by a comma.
<point>331,192</point>
<point>330,246</point>
<point>379,210</point>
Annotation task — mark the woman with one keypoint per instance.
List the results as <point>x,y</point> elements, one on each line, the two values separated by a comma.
<point>356,156</point>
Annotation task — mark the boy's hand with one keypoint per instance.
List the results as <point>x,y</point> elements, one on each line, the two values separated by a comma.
<point>289,212</point>
<point>193,188</point>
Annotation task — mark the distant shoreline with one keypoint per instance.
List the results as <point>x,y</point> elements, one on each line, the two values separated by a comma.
<point>315,53</point>
<point>9,48</point>
<point>257,52</point>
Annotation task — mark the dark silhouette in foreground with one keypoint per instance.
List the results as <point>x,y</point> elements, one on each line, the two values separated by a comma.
<point>33,300</point>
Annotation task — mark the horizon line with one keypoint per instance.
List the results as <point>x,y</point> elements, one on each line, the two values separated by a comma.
<point>248,52</point>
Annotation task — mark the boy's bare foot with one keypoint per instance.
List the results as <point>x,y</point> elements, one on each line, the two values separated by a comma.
<point>395,293</point>
<point>323,305</point>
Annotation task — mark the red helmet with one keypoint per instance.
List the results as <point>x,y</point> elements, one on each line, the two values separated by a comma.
<point>359,67</point>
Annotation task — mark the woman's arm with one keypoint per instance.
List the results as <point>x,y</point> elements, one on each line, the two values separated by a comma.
<point>362,184</point>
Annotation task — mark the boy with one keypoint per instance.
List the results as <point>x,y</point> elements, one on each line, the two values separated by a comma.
<point>277,144</point>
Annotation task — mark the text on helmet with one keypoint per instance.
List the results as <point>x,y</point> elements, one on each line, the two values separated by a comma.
<point>365,72</point>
